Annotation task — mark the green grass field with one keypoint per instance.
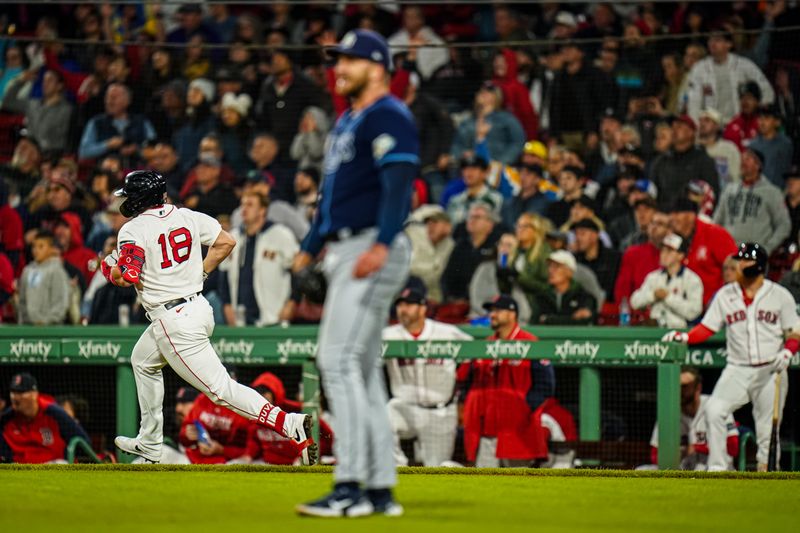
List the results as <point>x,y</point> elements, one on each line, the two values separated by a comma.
<point>118,498</point>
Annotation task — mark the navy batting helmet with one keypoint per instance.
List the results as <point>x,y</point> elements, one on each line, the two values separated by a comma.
<point>752,251</point>
<point>143,189</point>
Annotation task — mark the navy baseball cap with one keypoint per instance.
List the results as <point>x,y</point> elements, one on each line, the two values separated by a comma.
<point>365,44</point>
<point>502,301</point>
<point>23,382</point>
<point>186,395</point>
<point>411,295</point>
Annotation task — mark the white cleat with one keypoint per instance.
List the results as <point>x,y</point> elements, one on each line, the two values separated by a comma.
<point>297,427</point>
<point>133,447</point>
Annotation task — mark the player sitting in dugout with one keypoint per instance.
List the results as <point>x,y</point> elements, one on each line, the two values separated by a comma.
<point>510,412</point>
<point>35,429</point>
<point>265,446</point>
<point>213,434</point>
<point>694,426</point>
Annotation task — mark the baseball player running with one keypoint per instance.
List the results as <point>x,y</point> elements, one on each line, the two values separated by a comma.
<point>371,158</point>
<point>160,254</point>
<point>762,336</point>
<point>422,404</point>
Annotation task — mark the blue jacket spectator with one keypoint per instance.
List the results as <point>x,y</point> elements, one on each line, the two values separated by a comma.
<point>116,131</point>
<point>504,137</point>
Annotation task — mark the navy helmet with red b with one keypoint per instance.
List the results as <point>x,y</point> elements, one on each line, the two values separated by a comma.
<point>142,190</point>
<point>752,251</point>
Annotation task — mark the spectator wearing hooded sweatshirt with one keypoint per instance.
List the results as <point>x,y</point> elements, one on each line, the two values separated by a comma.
<point>515,95</point>
<point>69,238</point>
<point>754,210</point>
<point>308,146</point>
<point>269,447</point>
<point>44,287</point>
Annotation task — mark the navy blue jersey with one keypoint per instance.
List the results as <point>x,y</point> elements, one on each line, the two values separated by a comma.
<point>360,147</point>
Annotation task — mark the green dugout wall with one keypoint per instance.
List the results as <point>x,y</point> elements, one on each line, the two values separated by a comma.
<point>588,348</point>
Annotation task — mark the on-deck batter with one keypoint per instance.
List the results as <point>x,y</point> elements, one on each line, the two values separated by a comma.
<point>160,254</point>
<point>758,314</point>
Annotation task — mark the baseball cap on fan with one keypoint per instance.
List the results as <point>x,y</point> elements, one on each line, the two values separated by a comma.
<point>365,44</point>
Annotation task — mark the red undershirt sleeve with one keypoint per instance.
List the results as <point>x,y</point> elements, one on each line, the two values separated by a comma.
<point>699,333</point>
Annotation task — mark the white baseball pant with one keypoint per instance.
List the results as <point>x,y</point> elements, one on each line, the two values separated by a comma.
<point>179,337</point>
<point>434,429</point>
<point>737,386</point>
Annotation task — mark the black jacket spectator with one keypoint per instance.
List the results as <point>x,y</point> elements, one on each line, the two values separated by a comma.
<point>106,302</point>
<point>435,128</point>
<point>557,309</point>
<point>579,98</point>
<point>476,244</point>
<point>605,266</point>
<point>686,162</point>
<point>282,100</point>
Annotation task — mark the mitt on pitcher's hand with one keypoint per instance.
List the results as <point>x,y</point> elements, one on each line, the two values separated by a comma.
<point>311,283</point>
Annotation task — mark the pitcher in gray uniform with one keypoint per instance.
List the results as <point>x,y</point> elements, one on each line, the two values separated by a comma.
<point>371,159</point>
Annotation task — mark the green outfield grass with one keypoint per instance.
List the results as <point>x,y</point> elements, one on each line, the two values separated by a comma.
<point>145,499</point>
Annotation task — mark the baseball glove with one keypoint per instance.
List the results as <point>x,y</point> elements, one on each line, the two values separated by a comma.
<point>311,283</point>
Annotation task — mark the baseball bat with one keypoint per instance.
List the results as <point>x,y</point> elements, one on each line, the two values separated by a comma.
<point>773,438</point>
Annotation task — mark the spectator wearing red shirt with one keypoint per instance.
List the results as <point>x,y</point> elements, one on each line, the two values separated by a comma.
<point>744,127</point>
<point>641,259</point>
<point>502,410</point>
<point>227,433</point>
<point>709,245</point>
<point>35,429</point>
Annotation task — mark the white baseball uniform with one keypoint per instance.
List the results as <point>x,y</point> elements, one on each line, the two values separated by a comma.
<point>694,432</point>
<point>422,404</point>
<point>755,336</point>
<point>173,269</point>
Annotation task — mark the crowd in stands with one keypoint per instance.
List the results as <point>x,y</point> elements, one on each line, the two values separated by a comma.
<point>596,161</point>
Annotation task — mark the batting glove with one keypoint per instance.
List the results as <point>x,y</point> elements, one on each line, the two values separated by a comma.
<point>676,336</point>
<point>107,264</point>
<point>782,361</point>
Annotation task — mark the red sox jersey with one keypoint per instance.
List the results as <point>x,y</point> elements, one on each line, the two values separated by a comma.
<point>755,330</point>
<point>171,238</point>
<point>694,431</point>
<point>39,440</point>
<point>223,426</point>
<point>428,382</point>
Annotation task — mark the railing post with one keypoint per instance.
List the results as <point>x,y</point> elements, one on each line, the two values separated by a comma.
<point>311,394</point>
<point>127,405</point>
<point>589,408</point>
<point>668,410</point>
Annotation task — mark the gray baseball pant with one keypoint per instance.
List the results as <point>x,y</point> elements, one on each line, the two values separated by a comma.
<point>349,358</point>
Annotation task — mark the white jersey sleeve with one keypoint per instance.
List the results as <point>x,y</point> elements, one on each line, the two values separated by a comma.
<point>788,310</point>
<point>207,227</point>
<point>714,319</point>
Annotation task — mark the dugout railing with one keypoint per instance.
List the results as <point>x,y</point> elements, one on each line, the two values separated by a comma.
<point>589,349</point>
